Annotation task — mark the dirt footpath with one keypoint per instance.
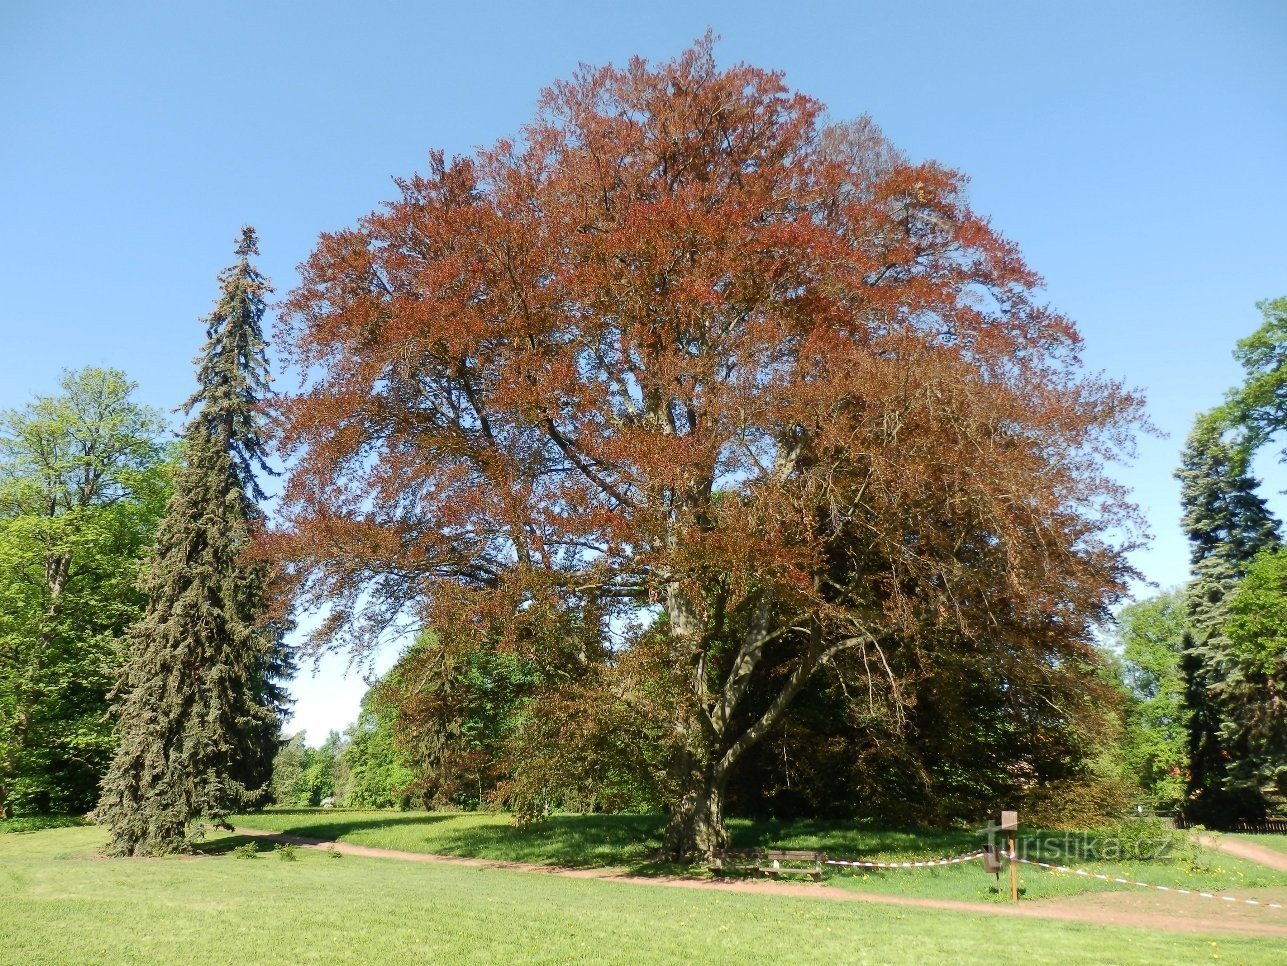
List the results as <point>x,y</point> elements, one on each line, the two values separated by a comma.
<point>1260,854</point>
<point>1165,912</point>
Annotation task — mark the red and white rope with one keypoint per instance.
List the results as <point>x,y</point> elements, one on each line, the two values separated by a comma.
<point>1143,885</point>
<point>857,863</point>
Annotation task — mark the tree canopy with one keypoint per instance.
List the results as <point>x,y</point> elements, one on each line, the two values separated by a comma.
<point>684,368</point>
<point>1152,635</point>
<point>1259,405</point>
<point>83,480</point>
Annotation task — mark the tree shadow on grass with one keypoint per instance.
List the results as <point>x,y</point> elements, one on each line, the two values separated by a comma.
<point>571,841</point>
<point>338,824</point>
<point>634,841</point>
<point>851,839</point>
<point>226,843</point>
<point>629,841</point>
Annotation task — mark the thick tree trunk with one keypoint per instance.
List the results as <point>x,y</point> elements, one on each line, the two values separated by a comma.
<point>695,826</point>
<point>707,730</point>
<point>696,817</point>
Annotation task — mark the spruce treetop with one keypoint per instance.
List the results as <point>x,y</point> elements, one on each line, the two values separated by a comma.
<point>232,370</point>
<point>1226,520</point>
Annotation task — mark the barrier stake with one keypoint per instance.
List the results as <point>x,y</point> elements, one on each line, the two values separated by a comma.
<point>1014,873</point>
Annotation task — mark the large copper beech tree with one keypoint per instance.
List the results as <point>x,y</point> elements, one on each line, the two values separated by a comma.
<point>683,359</point>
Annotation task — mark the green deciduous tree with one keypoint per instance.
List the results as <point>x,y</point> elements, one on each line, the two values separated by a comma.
<point>1259,405</point>
<point>1255,686</point>
<point>1152,636</point>
<point>82,484</point>
<point>377,775</point>
<point>455,719</point>
<point>200,703</point>
<point>288,770</point>
<point>320,767</point>
<point>308,776</point>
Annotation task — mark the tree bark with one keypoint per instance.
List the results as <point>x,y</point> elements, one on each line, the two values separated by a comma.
<point>695,826</point>
<point>696,820</point>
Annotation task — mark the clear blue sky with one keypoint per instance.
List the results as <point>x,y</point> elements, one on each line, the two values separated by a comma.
<point>1136,151</point>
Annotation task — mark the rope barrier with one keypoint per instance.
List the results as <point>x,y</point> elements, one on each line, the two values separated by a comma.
<point>1049,867</point>
<point>857,863</point>
<point>1143,885</point>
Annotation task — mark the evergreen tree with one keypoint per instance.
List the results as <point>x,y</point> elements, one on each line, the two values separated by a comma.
<point>200,699</point>
<point>1255,682</point>
<point>1227,524</point>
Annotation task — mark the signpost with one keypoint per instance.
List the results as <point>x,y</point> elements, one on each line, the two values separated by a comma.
<point>1010,825</point>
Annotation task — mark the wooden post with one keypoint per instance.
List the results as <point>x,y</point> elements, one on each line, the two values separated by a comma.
<point>1010,825</point>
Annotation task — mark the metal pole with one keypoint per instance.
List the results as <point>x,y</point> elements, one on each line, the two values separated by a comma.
<point>1014,872</point>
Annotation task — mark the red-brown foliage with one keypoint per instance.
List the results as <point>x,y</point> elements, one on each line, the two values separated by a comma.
<point>683,347</point>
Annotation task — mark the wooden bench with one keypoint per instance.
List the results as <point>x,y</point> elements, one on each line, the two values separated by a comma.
<point>773,863</point>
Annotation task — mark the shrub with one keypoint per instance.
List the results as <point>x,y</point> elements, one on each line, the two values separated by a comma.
<point>1085,802</point>
<point>1132,840</point>
<point>1200,857</point>
<point>247,851</point>
<point>1139,840</point>
<point>285,851</point>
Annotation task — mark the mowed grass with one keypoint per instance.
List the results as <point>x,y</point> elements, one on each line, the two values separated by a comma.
<point>62,904</point>
<point>630,842</point>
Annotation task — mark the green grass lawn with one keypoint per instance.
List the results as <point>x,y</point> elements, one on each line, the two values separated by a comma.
<point>63,904</point>
<point>629,841</point>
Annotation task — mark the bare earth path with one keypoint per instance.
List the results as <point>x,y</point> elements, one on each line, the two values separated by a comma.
<point>1250,851</point>
<point>1165,912</point>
